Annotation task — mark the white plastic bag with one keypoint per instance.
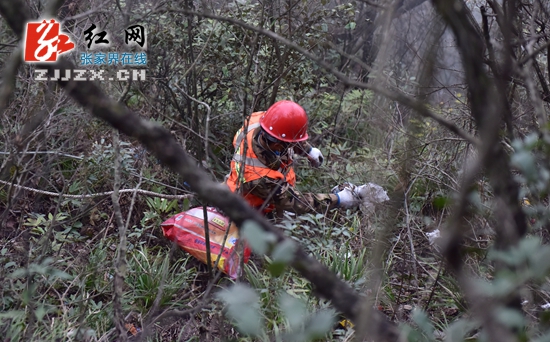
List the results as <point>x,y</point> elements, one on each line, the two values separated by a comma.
<point>369,194</point>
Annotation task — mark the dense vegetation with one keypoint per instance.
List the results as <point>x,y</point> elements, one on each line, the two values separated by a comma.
<point>444,103</point>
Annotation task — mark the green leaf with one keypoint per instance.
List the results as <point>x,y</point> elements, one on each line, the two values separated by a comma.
<point>525,161</point>
<point>242,304</point>
<point>531,140</point>
<point>543,338</point>
<point>40,312</point>
<point>284,252</point>
<point>276,268</point>
<point>320,324</point>
<point>457,330</point>
<point>293,309</point>
<point>19,273</point>
<point>423,321</point>
<point>74,187</point>
<point>440,202</point>
<point>539,261</point>
<point>55,273</point>
<point>511,318</point>
<point>257,238</point>
<point>350,26</point>
<point>13,314</point>
<point>501,286</point>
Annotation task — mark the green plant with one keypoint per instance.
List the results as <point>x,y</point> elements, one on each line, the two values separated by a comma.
<point>159,209</point>
<point>348,263</point>
<point>27,298</point>
<point>148,270</point>
<point>319,233</point>
<point>276,305</point>
<point>161,205</point>
<point>278,300</point>
<point>39,223</point>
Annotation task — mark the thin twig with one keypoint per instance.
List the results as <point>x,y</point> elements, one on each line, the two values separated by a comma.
<point>206,129</point>
<point>436,281</point>
<point>99,194</point>
<point>46,152</point>
<point>408,222</point>
<point>120,261</point>
<point>122,97</point>
<point>204,209</point>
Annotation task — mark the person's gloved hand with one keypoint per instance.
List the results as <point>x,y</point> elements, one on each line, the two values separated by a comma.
<point>315,157</point>
<point>348,197</point>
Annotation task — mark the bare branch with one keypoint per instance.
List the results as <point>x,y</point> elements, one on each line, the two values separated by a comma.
<point>99,194</point>
<point>488,106</point>
<point>206,125</point>
<point>419,106</point>
<point>120,261</point>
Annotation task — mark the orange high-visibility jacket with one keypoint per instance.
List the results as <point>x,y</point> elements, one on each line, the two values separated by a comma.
<point>253,167</point>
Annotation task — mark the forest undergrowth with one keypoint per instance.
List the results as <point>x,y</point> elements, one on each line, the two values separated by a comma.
<point>380,112</point>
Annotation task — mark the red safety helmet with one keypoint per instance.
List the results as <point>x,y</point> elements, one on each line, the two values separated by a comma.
<point>285,121</point>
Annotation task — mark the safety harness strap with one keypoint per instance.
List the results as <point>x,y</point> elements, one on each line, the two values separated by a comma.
<point>243,134</point>
<point>252,162</point>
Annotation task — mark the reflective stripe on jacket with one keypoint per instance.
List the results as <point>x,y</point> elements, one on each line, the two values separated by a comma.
<point>253,167</point>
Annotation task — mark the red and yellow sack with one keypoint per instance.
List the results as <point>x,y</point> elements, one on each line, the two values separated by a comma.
<point>187,230</point>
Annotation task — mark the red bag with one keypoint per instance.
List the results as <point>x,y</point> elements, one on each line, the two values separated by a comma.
<point>187,230</point>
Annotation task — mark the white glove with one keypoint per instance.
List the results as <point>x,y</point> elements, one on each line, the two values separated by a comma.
<point>348,197</point>
<point>315,157</point>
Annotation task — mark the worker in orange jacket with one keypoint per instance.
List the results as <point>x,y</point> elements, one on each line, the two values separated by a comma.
<point>261,168</point>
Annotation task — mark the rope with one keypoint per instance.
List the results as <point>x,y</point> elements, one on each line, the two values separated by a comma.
<point>107,193</point>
